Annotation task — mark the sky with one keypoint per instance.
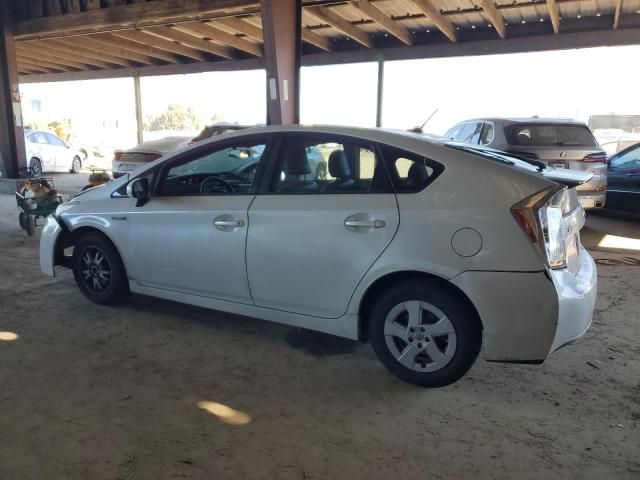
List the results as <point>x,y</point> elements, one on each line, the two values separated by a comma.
<point>569,83</point>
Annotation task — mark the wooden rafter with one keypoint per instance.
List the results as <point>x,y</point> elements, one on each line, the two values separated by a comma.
<point>44,63</point>
<point>102,46</point>
<point>142,37</point>
<point>328,16</point>
<point>616,15</point>
<point>132,46</point>
<point>71,46</point>
<point>190,41</point>
<point>394,28</point>
<point>22,63</point>
<point>239,25</point>
<point>38,56</point>
<point>217,35</point>
<point>554,14</point>
<point>316,39</point>
<point>45,47</point>
<point>433,14</point>
<point>493,15</point>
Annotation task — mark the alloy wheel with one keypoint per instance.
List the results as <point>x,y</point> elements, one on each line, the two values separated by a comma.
<point>96,270</point>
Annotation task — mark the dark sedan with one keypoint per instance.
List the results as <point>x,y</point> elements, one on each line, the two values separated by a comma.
<point>623,191</point>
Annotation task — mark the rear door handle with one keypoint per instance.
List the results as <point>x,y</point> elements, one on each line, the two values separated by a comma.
<point>634,174</point>
<point>364,223</point>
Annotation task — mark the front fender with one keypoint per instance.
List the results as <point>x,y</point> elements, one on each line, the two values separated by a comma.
<point>48,241</point>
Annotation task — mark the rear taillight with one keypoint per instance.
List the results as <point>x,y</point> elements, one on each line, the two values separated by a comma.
<point>116,156</point>
<point>599,157</point>
<point>546,219</point>
<point>151,157</point>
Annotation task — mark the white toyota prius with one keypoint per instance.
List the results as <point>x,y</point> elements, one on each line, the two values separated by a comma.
<point>426,249</point>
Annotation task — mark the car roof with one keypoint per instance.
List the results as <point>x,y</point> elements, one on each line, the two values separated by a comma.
<point>160,146</point>
<point>527,120</point>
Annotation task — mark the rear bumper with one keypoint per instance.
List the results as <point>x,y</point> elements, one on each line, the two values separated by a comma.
<point>48,240</point>
<point>528,315</point>
<point>591,199</point>
<point>576,301</point>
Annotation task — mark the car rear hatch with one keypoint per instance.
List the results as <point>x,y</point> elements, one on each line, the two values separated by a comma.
<point>562,146</point>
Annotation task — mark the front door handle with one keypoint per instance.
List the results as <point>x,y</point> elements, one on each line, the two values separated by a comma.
<point>229,223</point>
<point>364,223</point>
<point>633,174</point>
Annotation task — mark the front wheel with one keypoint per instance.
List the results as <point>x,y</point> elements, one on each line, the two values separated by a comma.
<point>98,270</point>
<point>76,164</point>
<point>36,167</point>
<point>424,333</point>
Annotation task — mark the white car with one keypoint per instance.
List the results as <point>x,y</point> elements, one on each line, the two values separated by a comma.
<point>48,153</point>
<point>426,249</point>
<point>128,161</point>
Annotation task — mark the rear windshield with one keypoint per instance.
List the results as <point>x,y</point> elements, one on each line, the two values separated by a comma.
<point>540,135</point>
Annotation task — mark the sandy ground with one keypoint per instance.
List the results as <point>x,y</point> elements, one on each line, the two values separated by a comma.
<point>89,392</point>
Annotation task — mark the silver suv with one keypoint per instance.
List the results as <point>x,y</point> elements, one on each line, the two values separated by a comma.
<point>558,143</point>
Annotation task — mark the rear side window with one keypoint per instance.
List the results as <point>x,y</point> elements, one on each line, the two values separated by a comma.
<point>487,135</point>
<point>409,172</point>
<point>541,135</point>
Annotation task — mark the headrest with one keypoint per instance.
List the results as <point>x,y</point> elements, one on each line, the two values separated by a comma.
<point>339,164</point>
<point>297,161</point>
<point>418,174</point>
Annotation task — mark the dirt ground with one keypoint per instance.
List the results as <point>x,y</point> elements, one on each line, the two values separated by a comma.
<point>89,392</point>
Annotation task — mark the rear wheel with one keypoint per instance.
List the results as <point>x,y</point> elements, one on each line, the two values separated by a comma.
<point>22,220</point>
<point>30,225</point>
<point>424,334</point>
<point>98,270</point>
<point>36,167</point>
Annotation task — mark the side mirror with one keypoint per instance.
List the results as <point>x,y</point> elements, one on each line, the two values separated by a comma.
<point>139,189</point>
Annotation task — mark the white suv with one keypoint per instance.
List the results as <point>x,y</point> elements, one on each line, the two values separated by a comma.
<point>426,249</point>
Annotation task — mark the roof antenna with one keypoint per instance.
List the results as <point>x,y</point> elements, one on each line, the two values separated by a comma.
<point>421,127</point>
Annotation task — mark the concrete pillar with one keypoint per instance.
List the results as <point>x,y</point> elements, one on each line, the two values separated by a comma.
<point>12,153</point>
<point>281,23</point>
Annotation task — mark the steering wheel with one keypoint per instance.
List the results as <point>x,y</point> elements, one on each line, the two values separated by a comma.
<point>215,184</point>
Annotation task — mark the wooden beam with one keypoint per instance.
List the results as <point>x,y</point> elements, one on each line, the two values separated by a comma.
<point>190,41</point>
<point>386,22</point>
<point>141,36</point>
<point>241,26</point>
<point>102,45</point>
<point>316,39</point>
<point>208,30</point>
<point>88,51</point>
<point>43,63</point>
<point>433,14</point>
<point>326,15</point>
<point>554,14</point>
<point>494,16</point>
<point>616,16</point>
<point>43,45</point>
<point>132,46</point>
<point>39,56</point>
<point>131,15</point>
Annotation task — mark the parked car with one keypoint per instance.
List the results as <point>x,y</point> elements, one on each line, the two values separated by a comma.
<point>48,153</point>
<point>623,191</point>
<point>426,249</point>
<point>128,161</point>
<point>556,142</point>
<point>617,145</point>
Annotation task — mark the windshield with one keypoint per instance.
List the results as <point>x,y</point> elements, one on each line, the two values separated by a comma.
<point>541,135</point>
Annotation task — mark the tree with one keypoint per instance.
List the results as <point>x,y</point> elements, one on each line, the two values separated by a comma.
<point>175,117</point>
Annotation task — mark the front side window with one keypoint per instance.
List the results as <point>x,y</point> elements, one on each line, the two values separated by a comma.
<point>627,161</point>
<point>55,141</point>
<point>310,164</point>
<point>38,137</point>
<point>224,171</point>
<point>452,133</point>
<point>470,132</point>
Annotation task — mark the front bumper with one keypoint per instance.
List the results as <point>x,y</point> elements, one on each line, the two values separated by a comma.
<point>48,240</point>
<point>576,300</point>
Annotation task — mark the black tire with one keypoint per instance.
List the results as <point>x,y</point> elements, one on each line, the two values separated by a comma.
<point>466,339</point>
<point>110,288</point>
<point>76,164</point>
<point>30,225</point>
<point>36,167</point>
<point>22,220</point>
